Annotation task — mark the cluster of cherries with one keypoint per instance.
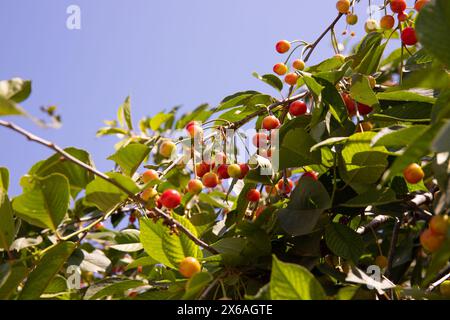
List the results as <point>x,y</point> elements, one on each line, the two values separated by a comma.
<point>387,22</point>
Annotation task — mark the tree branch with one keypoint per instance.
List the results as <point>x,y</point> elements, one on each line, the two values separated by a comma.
<point>134,197</point>
<point>240,123</point>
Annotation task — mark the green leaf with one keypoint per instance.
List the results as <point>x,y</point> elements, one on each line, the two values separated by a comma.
<point>405,96</point>
<point>200,114</point>
<point>293,282</point>
<point>362,92</point>
<point>333,76</point>
<point>78,177</point>
<point>371,61</point>
<point>46,204</point>
<point>159,119</point>
<point>7,227</point>
<point>295,148</point>
<point>329,142</point>
<point>398,137</point>
<point>15,275</point>
<point>196,285</point>
<point>110,287</point>
<point>124,114</point>
<point>308,201</point>
<point>143,262</point>
<point>433,28</point>
<point>104,195</point>
<point>415,149</point>
<point>130,157</point>
<point>169,249</point>
<point>237,99</point>
<point>441,142</point>
<point>48,267</point>
<point>315,87</point>
<point>9,108</point>
<point>344,242</point>
<point>331,96</point>
<point>365,48</point>
<point>372,197</point>
<point>271,80</point>
<point>127,241</point>
<point>15,90</point>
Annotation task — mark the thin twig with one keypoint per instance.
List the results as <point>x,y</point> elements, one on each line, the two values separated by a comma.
<point>134,197</point>
<point>392,248</point>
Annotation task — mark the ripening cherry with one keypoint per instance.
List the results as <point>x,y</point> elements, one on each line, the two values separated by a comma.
<point>343,6</point>
<point>283,46</point>
<point>244,170</point>
<point>195,186</point>
<point>381,261</point>
<point>444,288</point>
<point>420,3</point>
<point>402,17</point>
<point>352,19</point>
<point>270,123</point>
<point>202,168</point>
<point>387,22</point>
<point>222,171</point>
<point>349,104</point>
<point>99,226</point>
<point>234,171</point>
<point>284,187</point>
<point>149,175</point>
<point>280,69</point>
<point>298,64</point>
<point>311,174</point>
<point>148,194</point>
<point>297,108</point>
<point>170,199</point>
<point>132,218</point>
<point>398,6</point>
<point>409,36</point>
<point>253,195</point>
<point>291,78</point>
<point>430,241</point>
<point>439,224</point>
<point>167,148</point>
<point>413,173</point>
<point>189,266</point>
<point>260,139</point>
<point>210,180</point>
<point>194,129</point>
<point>371,25</point>
<point>271,190</point>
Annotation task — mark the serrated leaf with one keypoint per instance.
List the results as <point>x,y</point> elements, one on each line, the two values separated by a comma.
<point>271,80</point>
<point>46,204</point>
<point>168,249</point>
<point>293,282</point>
<point>104,195</point>
<point>48,266</point>
<point>110,287</point>
<point>344,242</point>
<point>130,157</point>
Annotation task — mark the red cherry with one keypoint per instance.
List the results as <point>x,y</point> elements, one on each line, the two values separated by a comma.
<point>349,103</point>
<point>170,199</point>
<point>222,171</point>
<point>280,69</point>
<point>402,17</point>
<point>285,188</point>
<point>253,195</point>
<point>283,46</point>
<point>398,6</point>
<point>260,139</point>
<point>244,170</point>
<point>313,175</point>
<point>364,109</point>
<point>409,37</point>
<point>297,108</point>
<point>202,169</point>
<point>194,130</point>
<point>210,180</point>
<point>132,218</point>
<point>291,78</point>
<point>270,122</point>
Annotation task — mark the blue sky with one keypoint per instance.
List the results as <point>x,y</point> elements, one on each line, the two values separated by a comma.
<point>163,53</point>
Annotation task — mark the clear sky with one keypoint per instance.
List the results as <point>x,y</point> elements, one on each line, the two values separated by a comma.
<point>161,52</point>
